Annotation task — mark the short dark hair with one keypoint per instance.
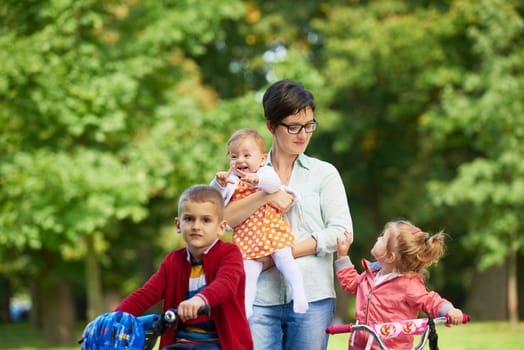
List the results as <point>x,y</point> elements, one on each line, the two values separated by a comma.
<point>284,98</point>
<point>203,193</point>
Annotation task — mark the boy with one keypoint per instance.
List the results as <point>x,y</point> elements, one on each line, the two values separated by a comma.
<point>207,271</point>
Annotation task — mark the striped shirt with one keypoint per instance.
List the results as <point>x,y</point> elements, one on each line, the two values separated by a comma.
<point>202,329</point>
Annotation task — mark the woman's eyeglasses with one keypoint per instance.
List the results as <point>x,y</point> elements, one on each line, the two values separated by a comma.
<point>297,128</point>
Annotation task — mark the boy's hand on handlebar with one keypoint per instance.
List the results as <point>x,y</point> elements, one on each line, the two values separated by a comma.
<point>344,244</point>
<point>455,316</point>
<point>188,309</point>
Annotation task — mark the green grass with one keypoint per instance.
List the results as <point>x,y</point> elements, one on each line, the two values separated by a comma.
<point>472,336</point>
<point>20,336</point>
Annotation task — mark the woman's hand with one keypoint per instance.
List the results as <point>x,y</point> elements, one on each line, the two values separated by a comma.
<point>267,262</point>
<point>280,200</point>
<point>344,244</point>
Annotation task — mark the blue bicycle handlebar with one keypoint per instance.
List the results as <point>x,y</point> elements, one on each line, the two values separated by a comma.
<point>149,321</point>
<point>158,321</point>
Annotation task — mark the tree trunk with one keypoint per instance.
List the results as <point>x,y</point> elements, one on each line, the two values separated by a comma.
<point>513,299</point>
<point>35,315</point>
<point>5,297</point>
<point>58,312</point>
<point>488,295</point>
<point>93,281</point>
<point>520,285</point>
<point>344,306</point>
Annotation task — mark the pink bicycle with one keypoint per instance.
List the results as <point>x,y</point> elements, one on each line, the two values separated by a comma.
<point>381,331</point>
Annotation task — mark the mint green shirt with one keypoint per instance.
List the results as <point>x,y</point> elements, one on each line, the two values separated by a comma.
<point>322,211</point>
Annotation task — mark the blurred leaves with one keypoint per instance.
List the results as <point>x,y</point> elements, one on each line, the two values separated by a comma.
<point>102,108</point>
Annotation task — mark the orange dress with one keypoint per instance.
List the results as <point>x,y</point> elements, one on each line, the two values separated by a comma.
<point>264,232</point>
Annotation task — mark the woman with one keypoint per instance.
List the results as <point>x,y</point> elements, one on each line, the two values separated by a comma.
<point>318,217</point>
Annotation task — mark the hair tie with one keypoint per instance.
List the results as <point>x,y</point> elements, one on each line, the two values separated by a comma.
<point>415,230</point>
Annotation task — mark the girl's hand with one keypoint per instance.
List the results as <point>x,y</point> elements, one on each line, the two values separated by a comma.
<point>280,200</point>
<point>455,316</point>
<point>251,178</point>
<point>344,244</point>
<point>222,178</point>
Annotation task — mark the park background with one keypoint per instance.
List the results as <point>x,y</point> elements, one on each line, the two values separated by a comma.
<point>109,109</point>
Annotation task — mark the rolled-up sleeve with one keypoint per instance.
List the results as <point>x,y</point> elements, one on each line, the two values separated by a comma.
<point>268,180</point>
<point>334,211</point>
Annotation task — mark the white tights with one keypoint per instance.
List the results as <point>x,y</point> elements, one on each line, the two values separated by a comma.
<point>286,264</point>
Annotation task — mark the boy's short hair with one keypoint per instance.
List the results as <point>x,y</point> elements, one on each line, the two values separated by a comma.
<point>203,193</point>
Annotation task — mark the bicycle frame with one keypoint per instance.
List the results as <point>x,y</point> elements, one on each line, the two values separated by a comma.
<point>419,326</point>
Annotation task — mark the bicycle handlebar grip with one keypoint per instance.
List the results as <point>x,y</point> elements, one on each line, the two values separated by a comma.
<point>344,328</point>
<point>465,319</point>
<point>171,315</point>
<point>205,310</point>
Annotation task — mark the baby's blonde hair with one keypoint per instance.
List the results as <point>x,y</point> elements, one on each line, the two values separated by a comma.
<point>246,134</point>
<point>415,249</point>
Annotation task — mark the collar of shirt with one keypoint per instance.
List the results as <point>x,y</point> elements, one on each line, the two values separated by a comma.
<point>301,160</point>
<point>188,257</point>
<point>380,278</point>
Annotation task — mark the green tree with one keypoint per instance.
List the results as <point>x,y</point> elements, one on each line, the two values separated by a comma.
<point>485,107</point>
<point>101,105</point>
<point>422,89</point>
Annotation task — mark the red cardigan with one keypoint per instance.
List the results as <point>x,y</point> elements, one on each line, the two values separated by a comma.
<point>224,291</point>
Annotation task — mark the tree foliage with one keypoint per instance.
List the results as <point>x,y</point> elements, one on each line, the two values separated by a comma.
<point>102,106</point>
<point>428,97</point>
<point>485,107</point>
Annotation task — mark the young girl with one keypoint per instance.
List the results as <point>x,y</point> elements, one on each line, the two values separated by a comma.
<point>265,232</point>
<point>393,289</point>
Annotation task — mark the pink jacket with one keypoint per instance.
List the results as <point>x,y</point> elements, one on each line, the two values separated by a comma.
<point>400,298</point>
